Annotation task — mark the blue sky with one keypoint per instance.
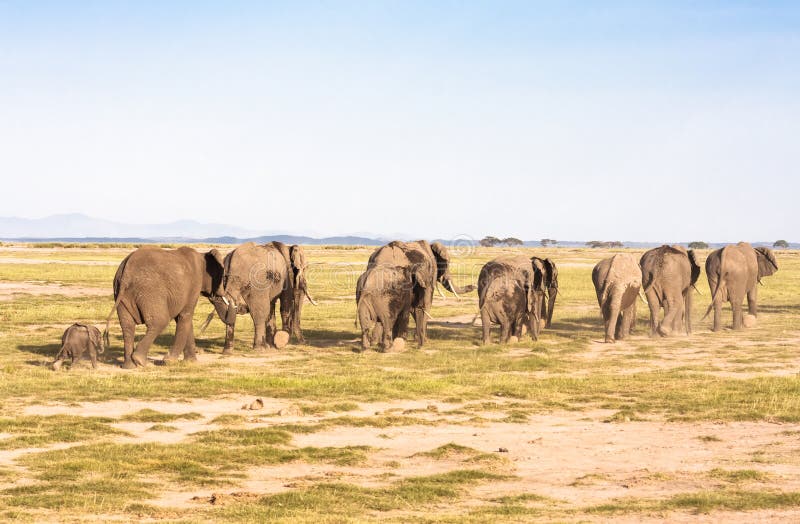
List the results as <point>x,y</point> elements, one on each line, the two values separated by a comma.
<point>570,120</point>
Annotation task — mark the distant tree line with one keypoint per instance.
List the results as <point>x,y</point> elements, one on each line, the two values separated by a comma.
<point>698,244</point>
<point>494,241</point>
<point>599,243</point>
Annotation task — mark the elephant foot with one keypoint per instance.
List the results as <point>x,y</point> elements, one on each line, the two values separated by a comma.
<point>227,351</point>
<point>609,340</point>
<point>139,359</point>
<point>190,359</point>
<point>663,331</point>
<point>128,364</point>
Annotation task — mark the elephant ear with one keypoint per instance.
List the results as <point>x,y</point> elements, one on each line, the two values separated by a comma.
<point>552,273</point>
<point>767,263</point>
<point>695,267</point>
<point>215,267</point>
<point>95,338</point>
<point>442,259</point>
<point>420,276</point>
<point>298,260</point>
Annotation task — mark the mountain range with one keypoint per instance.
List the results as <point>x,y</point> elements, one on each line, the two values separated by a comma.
<point>76,227</point>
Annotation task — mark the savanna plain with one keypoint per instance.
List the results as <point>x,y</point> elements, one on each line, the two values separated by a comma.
<point>690,428</point>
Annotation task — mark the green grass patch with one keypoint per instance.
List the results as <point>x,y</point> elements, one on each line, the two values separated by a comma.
<point>149,415</point>
<point>38,431</point>
<point>334,501</point>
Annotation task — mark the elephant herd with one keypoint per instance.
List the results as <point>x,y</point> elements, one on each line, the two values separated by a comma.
<point>665,275</point>
<point>153,286</point>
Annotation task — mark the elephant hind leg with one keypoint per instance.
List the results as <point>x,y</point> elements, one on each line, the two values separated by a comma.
<point>139,356</point>
<point>183,324</point>
<point>486,326</point>
<point>128,326</point>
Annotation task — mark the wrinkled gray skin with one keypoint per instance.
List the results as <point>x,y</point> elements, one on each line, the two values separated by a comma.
<point>79,340</point>
<point>385,299</point>
<point>511,291</point>
<point>154,286</point>
<point>431,259</point>
<point>617,282</point>
<point>734,273</point>
<point>668,274</point>
<point>256,277</point>
<point>551,288</point>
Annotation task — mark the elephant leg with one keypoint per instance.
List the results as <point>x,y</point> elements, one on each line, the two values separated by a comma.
<point>93,356</point>
<point>671,312</point>
<point>551,304</point>
<point>377,333</point>
<point>736,306</point>
<point>752,301</point>
<point>154,329</point>
<point>401,326</point>
<point>505,332</point>
<point>625,323</point>
<point>181,332</point>
<point>653,305</point>
<point>260,328</point>
<point>486,325</point>
<point>687,310</point>
<point>229,332</point>
<point>271,326</point>
<point>128,326</point>
<point>296,316</point>
<point>612,320</point>
<point>189,349</point>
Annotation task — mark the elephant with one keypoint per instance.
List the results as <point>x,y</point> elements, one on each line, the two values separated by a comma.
<point>434,261</point>
<point>668,274</point>
<point>256,276</point>
<point>153,286</point>
<point>734,272</point>
<point>617,282</point>
<point>511,292</point>
<point>551,288</point>
<point>385,300</point>
<point>77,340</point>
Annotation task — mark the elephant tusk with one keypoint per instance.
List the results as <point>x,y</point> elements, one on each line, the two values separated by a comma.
<point>207,322</point>
<point>225,300</point>
<point>313,302</point>
<point>698,291</point>
<point>428,314</point>
<point>57,364</point>
<point>453,289</point>
<point>439,289</point>
<point>641,296</point>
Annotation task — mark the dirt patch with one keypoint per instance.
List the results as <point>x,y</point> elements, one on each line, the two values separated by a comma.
<point>20,260</point>
<point>8,290</point>
<point>575,458</point>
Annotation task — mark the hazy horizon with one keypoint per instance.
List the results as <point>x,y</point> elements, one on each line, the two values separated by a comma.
<point>572,120</point>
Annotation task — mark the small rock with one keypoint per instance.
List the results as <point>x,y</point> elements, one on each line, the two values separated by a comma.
<point>749,321</point>
<point>281,339</point>
<point>503,450</point>
<point>398,345</point>
<point>290,411</point>
<point>254,405</point>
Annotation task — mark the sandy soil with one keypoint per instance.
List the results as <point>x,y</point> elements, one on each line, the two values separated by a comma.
<point>572,457</point>
<point>9,289</point>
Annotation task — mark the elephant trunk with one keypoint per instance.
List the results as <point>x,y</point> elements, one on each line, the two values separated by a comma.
<point>449,285</point>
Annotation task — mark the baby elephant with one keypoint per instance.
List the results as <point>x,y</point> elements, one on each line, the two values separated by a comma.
<point>77,340</point>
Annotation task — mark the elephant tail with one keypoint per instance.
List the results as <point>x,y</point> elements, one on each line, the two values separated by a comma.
<point>715,292</point>
<point>117,296</point>
<point>108,322</point>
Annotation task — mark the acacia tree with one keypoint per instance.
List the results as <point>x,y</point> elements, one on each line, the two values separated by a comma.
<point>489,241</point>
<point>511,241</point>
<point>781,243</point>
<point>548,242</point>
<point>698,244</point>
